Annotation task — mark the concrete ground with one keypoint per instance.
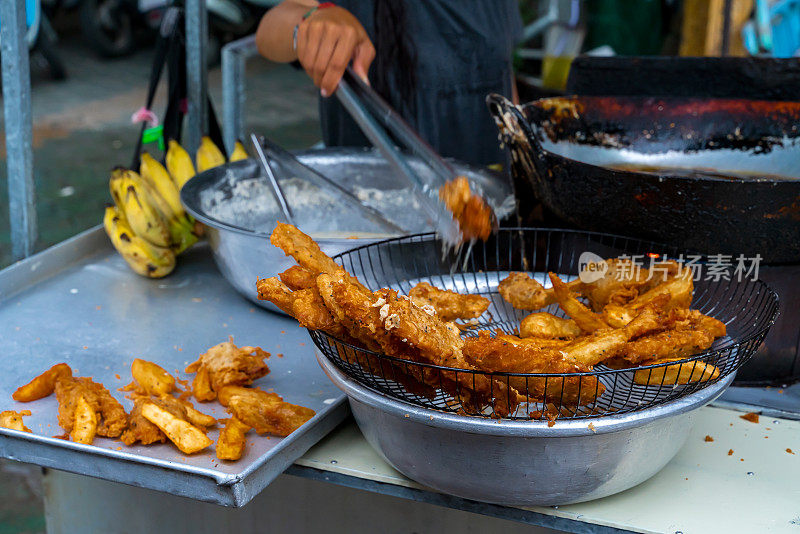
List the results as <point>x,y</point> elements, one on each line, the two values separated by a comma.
<point>82,129</point>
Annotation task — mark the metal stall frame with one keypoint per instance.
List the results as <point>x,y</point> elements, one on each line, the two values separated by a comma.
<point>19,128</point>
<point>234,57</point>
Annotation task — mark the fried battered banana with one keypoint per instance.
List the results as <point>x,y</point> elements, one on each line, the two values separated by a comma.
<point>548,326</point>
<point>150,379</point>
<point>267,413</point>
<point>525,293</point>
<point>110,415</point>
<point>684,373</point>
<point>188,438</point>
<point>475,218</point>
<point>226,364</point>
<point>84,427</point>
<point>43,385</point>
<point>142,430</point>
<point>586,319</point>
<point>231,442</point>
<point>511,354</point>
<point>13,420</point>
<point>296,277</point>
<point>449,305</point>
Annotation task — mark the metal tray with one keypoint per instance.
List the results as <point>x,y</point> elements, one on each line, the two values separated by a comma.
<point>79,303</point>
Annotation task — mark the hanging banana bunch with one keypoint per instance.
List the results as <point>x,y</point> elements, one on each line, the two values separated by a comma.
<point>148,224</point>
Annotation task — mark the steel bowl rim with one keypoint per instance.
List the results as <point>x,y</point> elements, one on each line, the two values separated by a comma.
<point>523,429</point>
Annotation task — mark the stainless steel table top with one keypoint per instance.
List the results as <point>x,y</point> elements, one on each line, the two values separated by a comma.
<point>79,303</point>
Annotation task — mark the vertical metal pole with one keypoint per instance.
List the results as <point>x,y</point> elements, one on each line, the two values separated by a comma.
<point>196,71</point>
<point>18,126</point>
<point>234,59</point>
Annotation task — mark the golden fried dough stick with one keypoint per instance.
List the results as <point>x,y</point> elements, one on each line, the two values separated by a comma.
<point>111,416</point>
<point>231,442</point>
<point>187,437</point>
<point>623,281</point>
<point>449,305</point>
<point>305,305</point>
<point>678,289</point>
<point>511,354</point>
<point>13,420</point>
<point>604,344</point>
<point>275,291</point>
<point>267,413</point>
<point>306,252</point>
<point>226,364</point>
<point>150,379</point>
<point>404,330</point>
<point>475,218</point>
<point>525,293</point>
<point>684,373</point>
<point>585,318</point>
<point>84,427</point>
<point>43,385</point>
<point>686,332</point>
<point>296,277</point>
<point>548,326</point>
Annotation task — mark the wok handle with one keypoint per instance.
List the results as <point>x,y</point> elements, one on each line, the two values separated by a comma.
<point>521,137</point>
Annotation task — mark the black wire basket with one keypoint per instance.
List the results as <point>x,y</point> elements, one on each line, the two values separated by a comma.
<point>747,306</point>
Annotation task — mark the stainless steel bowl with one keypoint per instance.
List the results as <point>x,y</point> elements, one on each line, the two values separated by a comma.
<point>238,229</point>
<point>518,463</point>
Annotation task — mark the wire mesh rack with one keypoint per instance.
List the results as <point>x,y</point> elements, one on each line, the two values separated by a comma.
<point>747,306</point>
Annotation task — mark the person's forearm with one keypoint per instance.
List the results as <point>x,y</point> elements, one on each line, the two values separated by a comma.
<point>275,31</point>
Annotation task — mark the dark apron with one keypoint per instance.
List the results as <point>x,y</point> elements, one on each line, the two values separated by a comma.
<point>464,50</point>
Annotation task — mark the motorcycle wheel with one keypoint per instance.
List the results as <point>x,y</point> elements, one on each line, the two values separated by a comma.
<point>108,27</point>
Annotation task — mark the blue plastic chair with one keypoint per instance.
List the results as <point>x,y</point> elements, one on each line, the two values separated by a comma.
<point>776,29</point>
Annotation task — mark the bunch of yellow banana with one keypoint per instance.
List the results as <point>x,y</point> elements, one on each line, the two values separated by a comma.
<point>147,224</point>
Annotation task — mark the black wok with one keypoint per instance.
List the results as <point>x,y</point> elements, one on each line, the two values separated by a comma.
<point>619,164</point>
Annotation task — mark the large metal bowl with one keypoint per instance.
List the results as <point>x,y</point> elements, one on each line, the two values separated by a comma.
<point>240,240</point>
<point>522,463</point>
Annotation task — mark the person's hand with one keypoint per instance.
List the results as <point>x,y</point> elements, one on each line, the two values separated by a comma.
<point>327,42</point>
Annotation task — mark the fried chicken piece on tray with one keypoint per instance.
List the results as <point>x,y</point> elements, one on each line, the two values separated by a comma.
<point>226,364</point>
<point>13,420</point>
<point>475,218</point>
<point>78,395</point>
<point>449,305</point>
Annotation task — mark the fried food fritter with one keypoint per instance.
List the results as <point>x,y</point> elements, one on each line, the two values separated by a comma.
<point>231,442</point>
<point>678,290</point>
<point>684,373</point>
<point>548,326</point>
<point>511,354</point>
<point>306,252</point>
<point>150,379</point>
<point>296,277</point>
<point>586,319</point>
<point>475,218</point>
<point>267,413</point>
<point>13,420</point>
<point>110,415</point>
<point>43,385</point>
<point>623,281</point>
<point>608,343</point>
<point>226,364</point>
<point>84,427</point>
<point>525,293</point>
<point>140,429</point>
<point>187,437</point>
<point>449,305</point>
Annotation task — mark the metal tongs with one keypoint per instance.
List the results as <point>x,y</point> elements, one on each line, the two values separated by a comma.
<point>267,150</point>
<point>365,106</point>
